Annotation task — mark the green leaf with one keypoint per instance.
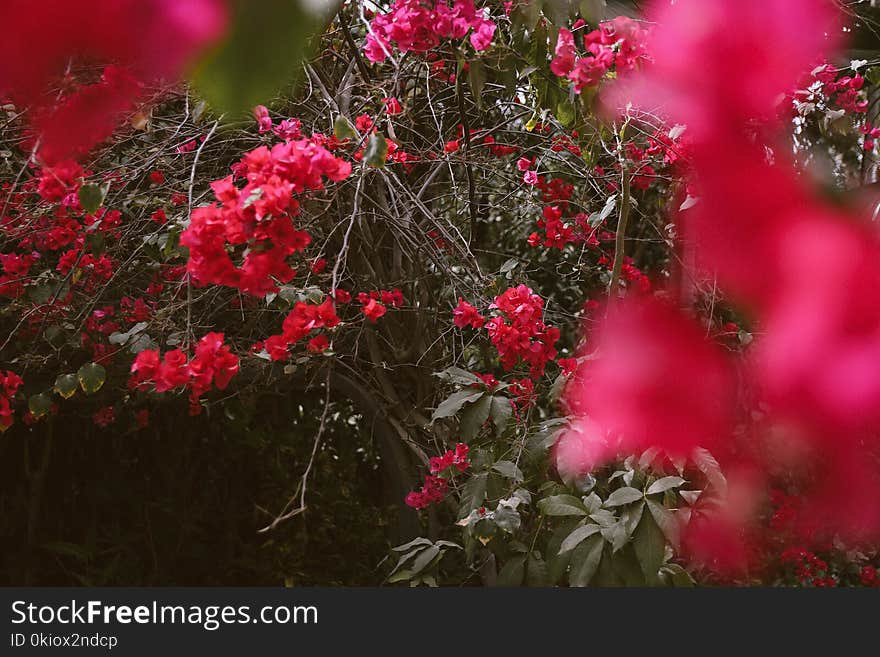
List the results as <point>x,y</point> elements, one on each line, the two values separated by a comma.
<point>477,79</point>
<point>562,505</point>
<point>377,150</point>
<point>502,411</point>
<point>91,197</point>
<point>39,404</point>
<point>454,403</point>
<point>629,519</point>
<point>39,294</point>
<point>266,45</point>
<point>557,563</point>
<point>513,572</point>
<point>473,418</point>
<point>536,571</point>
<point>664,484</point>
<point>66,385</point>
<point>459,376</point>
<point>406,557</point>
<point>508,469</point>
<point>558,11</point>
<point>91,377</point>
<point>709,467</point>
<point>679,576</point>
<point>421,540</point>
<point>343,129</point>
<point>593,503</point>
<point>577,536</point>
<point>666,521</point>
<point>425,557</point>
<point>565,113</point>
<point>585,560</point>
<point>400,576</point>
<point>592,11</point>
<point>507,518</point>
<point>650,547</point>
<point>621,496</point>
<point>96,243</point>
<point>473,493</point>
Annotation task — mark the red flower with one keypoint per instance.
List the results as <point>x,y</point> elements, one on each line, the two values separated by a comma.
<point>392,106</point>
<point>264,121</point>
<point>466,315</point>
<point>157,177</point>
<point>318,344</point>
<point>104,417</point>
<point>373,310</point>
<point>142,418</point>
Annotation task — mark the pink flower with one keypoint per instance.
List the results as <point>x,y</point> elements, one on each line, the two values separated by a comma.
<point>530,178</point>
<point>373,310</point>
<point>392,106</point>
<point>264,121</point>
<point>481,38</point>
<point>563,63</point>
<point>657,380</point>
<point>466,315</point>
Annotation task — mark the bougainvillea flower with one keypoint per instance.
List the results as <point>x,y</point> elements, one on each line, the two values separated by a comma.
<point>656,380</point>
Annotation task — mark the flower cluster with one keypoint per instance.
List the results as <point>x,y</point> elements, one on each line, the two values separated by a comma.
<point>519,332</point>
<point>213,365</point>
<point>467,315</point>
<point>816,366</point>
<point>374,304</point>
<point>416,26</point>
<point>258,217</point>
<point>436,484</point>
<point>844,92</point>
<point>808,568</point>
<point>299,324</point>
<point>617,45</point>
<point>9,384</point>
<point>145,39</point>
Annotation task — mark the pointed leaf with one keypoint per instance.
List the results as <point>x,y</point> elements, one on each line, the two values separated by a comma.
<point>425,557</point>
<point>342,128</point>
<point>664,484</point>
<point>473,418</point>
<point>667,522</point>
<point>585,560</point>
<point>621,496</point>
<point>40,404</point>
<point>91,197</point>
<point>577,536</point>
<point>91,377</point>
<point>508,469</point>
<point>513,571</point>
<point>66,385</point>
<point>377,150</point>
<point>502,411</point>
<point>473,493</point>
<point>650,547</point>
<point>536,572</point>
<point>562,505</point>
<point>454,403</point>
